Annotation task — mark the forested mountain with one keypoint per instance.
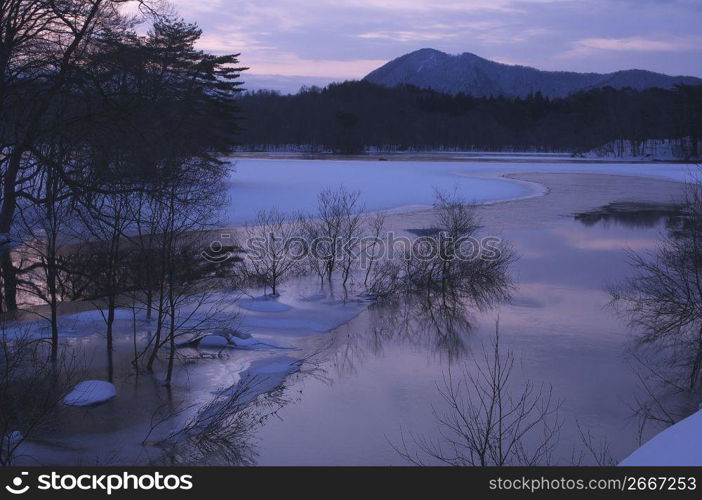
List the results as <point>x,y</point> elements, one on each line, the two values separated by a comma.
<point>352,116</point>
<point>469,74</point>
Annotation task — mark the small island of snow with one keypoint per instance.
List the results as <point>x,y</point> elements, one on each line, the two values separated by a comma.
<point>89,393</point>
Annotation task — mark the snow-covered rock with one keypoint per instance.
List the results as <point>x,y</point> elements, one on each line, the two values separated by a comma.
<point>90,392</point>
<point>678,445</point>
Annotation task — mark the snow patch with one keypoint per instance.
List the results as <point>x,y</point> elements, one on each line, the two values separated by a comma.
<point>679,445</point>
<point>213,341</point>
<point>264,303</point>
<point>264,376</point>
<point>90,392</point>
<point>217,341</point>
<point>97,315</point>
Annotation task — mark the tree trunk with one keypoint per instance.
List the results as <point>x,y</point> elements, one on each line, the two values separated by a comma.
<point>110,321</point>
<point>7,214</point>
<point>54,331</point>
<point>9,277</point>
<point>171,340</point>
<point>697,364</point>
<point>157,338</point>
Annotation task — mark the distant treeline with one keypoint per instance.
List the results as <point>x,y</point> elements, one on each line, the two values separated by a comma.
<point>354,116</point>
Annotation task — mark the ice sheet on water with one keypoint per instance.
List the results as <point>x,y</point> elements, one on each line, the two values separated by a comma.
<point>293,185</point>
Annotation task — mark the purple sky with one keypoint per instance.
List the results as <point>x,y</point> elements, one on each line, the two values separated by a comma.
<point>340,39</point>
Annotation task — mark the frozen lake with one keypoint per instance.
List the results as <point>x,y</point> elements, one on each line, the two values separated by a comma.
<point>292,185</point>
<point>380,383</point>
<point>373,373</point>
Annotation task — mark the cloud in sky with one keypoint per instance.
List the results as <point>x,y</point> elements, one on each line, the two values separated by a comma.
<point>348,38</point>
<point>588,47</point>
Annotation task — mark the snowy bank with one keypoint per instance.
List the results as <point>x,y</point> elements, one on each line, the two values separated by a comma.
<point>264,303</point>
<point>222,340</point>
<point>264,376</point>
<point>678,445</point>
<point>90,392</point>
<point>653,149</point>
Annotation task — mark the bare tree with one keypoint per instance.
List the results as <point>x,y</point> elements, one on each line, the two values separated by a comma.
<point>274,248</point>
<point>663,298</point>
<point>42,45</point>
<point>31,387</point>
<point>333,232</point>
<point>596,449</point>
<point>184,282</point>
<point>663,397</point>
<point>221,431</point>
<point>385,279</point>
<point>44,225</point>
<point>376,225</point>
<point>350,234</point>
<point>450,264</point>
<point>488,421</point>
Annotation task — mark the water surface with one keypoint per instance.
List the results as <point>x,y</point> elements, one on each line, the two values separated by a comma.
<point>380,382</point>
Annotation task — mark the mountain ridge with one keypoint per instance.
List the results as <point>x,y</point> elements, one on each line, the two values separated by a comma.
<point>471,74</point>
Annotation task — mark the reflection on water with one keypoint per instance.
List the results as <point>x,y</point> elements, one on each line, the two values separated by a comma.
<point>632,215</point>
<point>382,372</point>
<point>442,329</point>
<point>376,376</point>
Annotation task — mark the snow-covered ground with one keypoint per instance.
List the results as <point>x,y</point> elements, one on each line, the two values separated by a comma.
<point>302,309</point>
<point>678,445</point>
<point>661,149</point>
<point>254,338</point>
<point>272,333</point>
<point>292,185</point>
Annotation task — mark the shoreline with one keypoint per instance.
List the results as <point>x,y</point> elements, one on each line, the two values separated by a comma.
<point>397,218</point>
<point>542,183</point>
<point>448,156</point>
<point>534,325</point>
<point>551,207</point>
